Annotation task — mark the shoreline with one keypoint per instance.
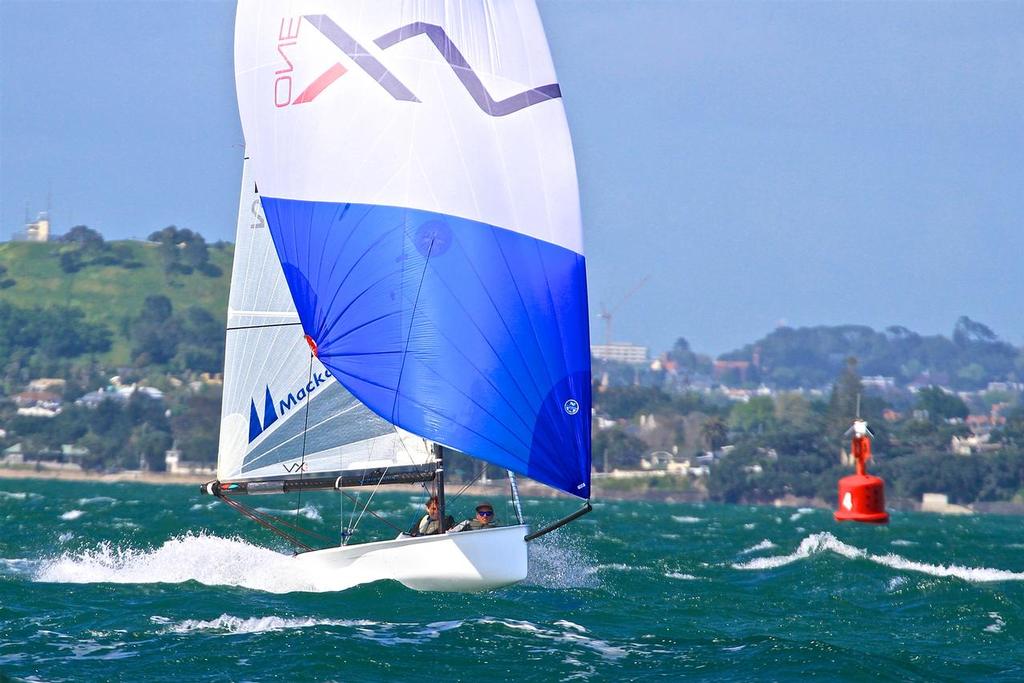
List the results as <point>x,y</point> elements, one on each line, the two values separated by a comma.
<point>490,490</point>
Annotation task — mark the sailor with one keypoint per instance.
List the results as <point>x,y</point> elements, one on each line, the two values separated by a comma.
<point>428,524</point>
<point>484,519</point>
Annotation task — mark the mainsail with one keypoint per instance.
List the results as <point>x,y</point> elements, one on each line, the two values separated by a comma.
<point>418,182</point>
<point>283,414</point>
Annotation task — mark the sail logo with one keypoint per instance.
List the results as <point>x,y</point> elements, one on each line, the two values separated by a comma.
<point>273,411</point>
<point>288,36</point>
<point>571,407</point>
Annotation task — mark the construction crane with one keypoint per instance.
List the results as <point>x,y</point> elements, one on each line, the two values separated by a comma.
<point>606,313</point>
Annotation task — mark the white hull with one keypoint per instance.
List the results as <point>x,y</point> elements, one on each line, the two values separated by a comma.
<point>466,561</point>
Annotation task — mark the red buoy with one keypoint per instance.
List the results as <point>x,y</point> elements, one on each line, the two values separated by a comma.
<point>861,496</point>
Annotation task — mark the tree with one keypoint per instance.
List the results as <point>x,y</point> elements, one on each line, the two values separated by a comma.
<point>941,405</point>
<point>155,333</point>
<point>615,448</point>
<point>845,399</point>
<point>714,433</point>
<point>195,425</point>
<point>756,415</point>
<point>83,236</point>
<point>968,331</point>
<point>183,251</point>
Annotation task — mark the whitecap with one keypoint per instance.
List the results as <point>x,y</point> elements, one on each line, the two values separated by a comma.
<point>96,499</point>
<point>603,648</point>
<point>568,624</point>
<point>902,542</point>
<point>896,582</point>
<point>685,519</point>
<point>997,625</point>
<point>749,526</point>
<point>825,541</point>
<point>72,514</point>
<point>65,537</point>
<point>800,512</point>
<point>227,623</point>
<point>309,512</point>
<point>681,577</point>
<point>763,545</point>
<point>19,495</point>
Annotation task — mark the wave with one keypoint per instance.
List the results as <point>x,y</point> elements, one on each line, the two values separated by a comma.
<point>800,512</point>
<point>207,559</point>
<point>310,512</point>
<point>683,519</point>
<point>825,541</point>
<point>681,577</point>
<point>763,545</point>
<point>561,631</point>
<point>227,623</point>
<point>997,625</point>
<point>96,499</point>
<point>19,495</point>
<point>570,633</point>
<point>72,515</point>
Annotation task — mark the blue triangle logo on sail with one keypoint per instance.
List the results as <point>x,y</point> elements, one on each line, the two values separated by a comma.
<point>255,428</point>
<point>467,334</point>
<point>269,414</point>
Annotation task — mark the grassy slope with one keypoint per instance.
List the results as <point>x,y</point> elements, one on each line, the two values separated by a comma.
<point>110,294</point>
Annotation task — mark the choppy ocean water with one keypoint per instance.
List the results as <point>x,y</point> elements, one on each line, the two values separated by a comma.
<point>138,582</point>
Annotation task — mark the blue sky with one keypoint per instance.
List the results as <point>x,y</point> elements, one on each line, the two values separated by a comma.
<point>763,163</point>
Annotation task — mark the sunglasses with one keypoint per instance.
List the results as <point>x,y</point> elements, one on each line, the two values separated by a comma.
<point>485,513</point>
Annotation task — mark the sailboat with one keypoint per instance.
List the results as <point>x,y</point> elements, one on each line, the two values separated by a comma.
<point>409,277</point>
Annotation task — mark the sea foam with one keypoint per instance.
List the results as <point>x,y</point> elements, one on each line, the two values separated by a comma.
<point>208,559</point>
<point>822,542</point>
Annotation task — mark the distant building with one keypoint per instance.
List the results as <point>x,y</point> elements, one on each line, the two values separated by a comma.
<point>39,231</point>
<point>13,455</point>
<point>118,393</point>
<point>939,502</point>
<point>878,382</point>
<point>622,352</point>
<point>47,384</point>
<point>38,411</point>
<point>175,465</point>
<point>30,399</point>
<point>973,443</point>
<point>723,368</point>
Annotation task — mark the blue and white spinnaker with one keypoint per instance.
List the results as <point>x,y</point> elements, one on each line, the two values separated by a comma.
<point>417,178</point>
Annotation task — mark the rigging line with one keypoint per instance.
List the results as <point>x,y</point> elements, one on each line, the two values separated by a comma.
<point>412,321</point>
<point>283,522</point>
<point>370,499</point>
<point>472,481</point>
<point>388,522</point>
<point>305,426</point>
<point>251,514</point>
<point>257,327</point>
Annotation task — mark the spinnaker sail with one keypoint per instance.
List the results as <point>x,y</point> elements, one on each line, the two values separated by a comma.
<point>283,414</point>
<point>419,186</point>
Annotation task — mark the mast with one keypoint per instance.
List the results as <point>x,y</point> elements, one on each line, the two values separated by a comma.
<point>439,469</point>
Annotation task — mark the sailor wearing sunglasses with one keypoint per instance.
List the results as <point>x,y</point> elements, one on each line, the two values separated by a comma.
<point>484,519</point>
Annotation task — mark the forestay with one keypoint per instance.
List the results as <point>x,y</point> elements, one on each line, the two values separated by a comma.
<point>418,180</point>
<point>283,414</point>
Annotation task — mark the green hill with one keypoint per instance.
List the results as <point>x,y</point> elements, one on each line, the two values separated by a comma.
<point>111,293</point>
